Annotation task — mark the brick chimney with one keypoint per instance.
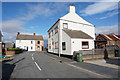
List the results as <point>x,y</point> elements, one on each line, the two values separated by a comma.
<point>71,9</point>
<point>18,33</point>
<point>34,33</point>
<point>112,34</point>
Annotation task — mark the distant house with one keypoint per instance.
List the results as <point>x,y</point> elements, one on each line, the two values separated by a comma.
<point>102,40</point>
<point>71,33</point>
<point>30,42</point>
<point>9,45</point>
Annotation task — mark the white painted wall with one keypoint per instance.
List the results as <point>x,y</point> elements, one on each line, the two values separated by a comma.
<point>67,39</point>
<point>90,30</point>
<point>76,44</point>
<point>75,22</point>
<point>54,37</point>
<point>27,43</point>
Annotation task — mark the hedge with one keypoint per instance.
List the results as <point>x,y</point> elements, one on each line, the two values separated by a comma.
<point>14,49</point>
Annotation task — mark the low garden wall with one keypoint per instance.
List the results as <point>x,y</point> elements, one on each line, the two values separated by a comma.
<point>12,51</point>
<point>96,54</point>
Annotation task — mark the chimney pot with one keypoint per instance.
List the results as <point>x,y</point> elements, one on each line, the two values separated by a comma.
<point>112,34</point>
<point>34,33</point>
<point>18,33</point>
<point>72,9</point>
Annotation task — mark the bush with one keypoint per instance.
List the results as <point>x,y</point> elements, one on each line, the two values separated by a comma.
<point>14,49</point>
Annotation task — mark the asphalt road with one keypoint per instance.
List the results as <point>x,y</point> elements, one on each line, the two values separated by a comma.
<point>38,65</point>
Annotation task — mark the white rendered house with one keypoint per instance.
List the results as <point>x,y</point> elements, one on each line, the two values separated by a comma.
<point>30,42</point>
<point>71,33</point>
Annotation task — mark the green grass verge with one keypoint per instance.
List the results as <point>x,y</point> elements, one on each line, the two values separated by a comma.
<point>7,58</point>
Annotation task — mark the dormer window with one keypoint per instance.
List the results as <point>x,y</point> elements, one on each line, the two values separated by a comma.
<point>65,26</point>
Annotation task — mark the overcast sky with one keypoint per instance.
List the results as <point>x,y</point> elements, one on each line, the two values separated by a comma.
<point>29,17</point>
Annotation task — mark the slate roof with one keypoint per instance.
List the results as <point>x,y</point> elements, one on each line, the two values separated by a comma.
<point>29,37</point>
<point>77,34</point>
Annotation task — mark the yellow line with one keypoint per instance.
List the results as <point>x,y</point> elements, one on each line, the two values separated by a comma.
<point>102,76</point>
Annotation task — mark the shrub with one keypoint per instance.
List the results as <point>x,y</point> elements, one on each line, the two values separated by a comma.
<point>14,49</point>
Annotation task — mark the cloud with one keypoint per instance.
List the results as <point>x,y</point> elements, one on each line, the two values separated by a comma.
<point>10,28</point>
<point>109,15</point>
<point>107,29</point>
<point>45,37</point>
<point>45,10</point>
<point>99,7</point>
<point>27,33</point>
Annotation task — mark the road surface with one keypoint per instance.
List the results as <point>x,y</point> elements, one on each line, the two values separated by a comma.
<point>40,65</point>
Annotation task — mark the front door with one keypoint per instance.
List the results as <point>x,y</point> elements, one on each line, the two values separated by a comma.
<point>42,48</point>
<point>27,48</point>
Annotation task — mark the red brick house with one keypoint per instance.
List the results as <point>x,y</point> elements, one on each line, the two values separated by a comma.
<point>102,40</point>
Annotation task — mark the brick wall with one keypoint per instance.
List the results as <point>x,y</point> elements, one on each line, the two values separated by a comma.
<point>12,52</point>
<point>96,53</point>
<point>41,45</point>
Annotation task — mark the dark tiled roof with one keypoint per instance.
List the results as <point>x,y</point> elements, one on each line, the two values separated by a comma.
<point>110,36</point>
<point>118,36</point>
<point>77,34</point>
<point>29,37</point>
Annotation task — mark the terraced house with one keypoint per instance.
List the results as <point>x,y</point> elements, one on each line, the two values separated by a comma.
<point>71,33</point>
<point>30,42</point>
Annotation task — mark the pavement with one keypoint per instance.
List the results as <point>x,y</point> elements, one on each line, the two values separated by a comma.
<point>108,68</point>
<point>46,65</point>
<point>103,62</point>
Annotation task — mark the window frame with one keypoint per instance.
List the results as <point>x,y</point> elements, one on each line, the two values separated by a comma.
<point>56,29</point>
<point>38,48</point>
<point>38,42</point>
<point>87,44</point>
<point>56,45</point>
<point>31,47</point>
<point>49,35</point>
<point>31,42</point>
<point>52,32</point>
<point>63,25</point>
<point>65,46</point>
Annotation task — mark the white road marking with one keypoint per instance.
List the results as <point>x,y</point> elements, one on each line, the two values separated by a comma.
<point>33,58</point>
<point>37,66</point>
<point>36,63</point>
